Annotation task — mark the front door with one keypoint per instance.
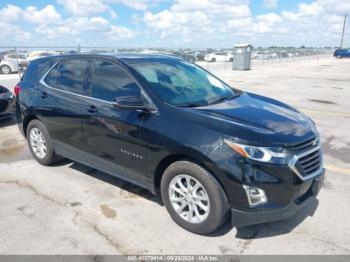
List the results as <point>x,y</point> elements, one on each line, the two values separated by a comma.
<point>111,135</point>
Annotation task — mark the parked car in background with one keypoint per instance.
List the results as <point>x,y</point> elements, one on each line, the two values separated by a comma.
<point>219,57</point>
<point>282,54</point>
<point>342,52</point>
<point>199,55</point>
<point>18,58</point>
<point>187,56</point>
<point>8,67</point>
<point>7,103</point>
<point>38,54</point>
<point>263,55</point>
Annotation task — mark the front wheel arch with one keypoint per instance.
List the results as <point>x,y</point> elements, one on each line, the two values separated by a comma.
<point>205,163</point>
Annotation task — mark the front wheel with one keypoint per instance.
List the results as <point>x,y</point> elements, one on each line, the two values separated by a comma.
<point>40,143</point>
<point>193,197</point>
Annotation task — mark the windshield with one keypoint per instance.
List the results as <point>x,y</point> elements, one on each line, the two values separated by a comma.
<point>182,84</point>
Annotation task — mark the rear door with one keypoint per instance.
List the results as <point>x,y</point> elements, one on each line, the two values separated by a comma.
<point>111,135</point>
<point>60,98</point>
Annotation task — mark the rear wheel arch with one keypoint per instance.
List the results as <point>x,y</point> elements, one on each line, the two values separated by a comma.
<point>26,122</point>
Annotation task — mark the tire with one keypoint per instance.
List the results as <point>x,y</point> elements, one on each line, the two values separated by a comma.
<point>5,69</point>
<point>45,158</point>
<point>231,59</point>
<point>213,60</point>
<point>217,205</point>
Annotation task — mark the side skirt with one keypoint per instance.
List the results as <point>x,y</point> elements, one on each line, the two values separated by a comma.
<point>92,161</point>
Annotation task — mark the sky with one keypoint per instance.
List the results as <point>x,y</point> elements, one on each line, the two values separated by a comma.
<point>173,23</point>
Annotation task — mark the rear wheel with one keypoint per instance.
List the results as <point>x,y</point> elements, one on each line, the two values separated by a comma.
<point>5,69</point>
<point>40,143</point>
<point>193,197</point>
<point>213,59</point>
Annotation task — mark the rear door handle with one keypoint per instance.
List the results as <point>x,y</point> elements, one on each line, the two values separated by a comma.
<point>92,109</point>
<point>44,95</point>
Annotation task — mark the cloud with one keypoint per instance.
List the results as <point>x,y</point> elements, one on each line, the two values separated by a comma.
<point>339,7</point>
<point>119,32</point>
<point>85,7</point>
<point>47,15</point>
<point>193,23</point>
<point>136,4</point>
<point>12,33</point>
<point>191,20</point>
<point>44,16</point>
<point>74,26</point>
<point>266,23</point>
<point>270,3</point>
<point>10,13</point>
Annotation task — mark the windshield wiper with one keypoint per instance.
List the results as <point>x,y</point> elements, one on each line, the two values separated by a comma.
<point>223,99</point>
<point>188,105</point>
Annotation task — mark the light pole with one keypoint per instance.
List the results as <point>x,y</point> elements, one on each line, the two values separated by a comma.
<point>342,36</point>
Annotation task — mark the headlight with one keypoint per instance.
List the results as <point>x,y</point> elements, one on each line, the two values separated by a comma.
<point>263,154</point>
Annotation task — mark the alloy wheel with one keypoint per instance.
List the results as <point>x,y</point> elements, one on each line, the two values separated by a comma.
<point>38,142</point>
<point>189,198</point>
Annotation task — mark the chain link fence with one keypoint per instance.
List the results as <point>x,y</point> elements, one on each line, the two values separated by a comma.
<point>16,59</point>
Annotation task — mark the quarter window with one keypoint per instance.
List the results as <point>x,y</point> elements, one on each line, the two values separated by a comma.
<point>50,79</point>
<point>111,81</point>
<point>70,75</point>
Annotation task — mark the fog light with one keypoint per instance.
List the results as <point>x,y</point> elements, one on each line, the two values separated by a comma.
<point>256,196</point>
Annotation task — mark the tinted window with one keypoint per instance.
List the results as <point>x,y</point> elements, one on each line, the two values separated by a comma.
<point>182,84</point>
<point>72,75</point>
<point>111,81</point>
<point>37,69</point>
<point>50,79</point>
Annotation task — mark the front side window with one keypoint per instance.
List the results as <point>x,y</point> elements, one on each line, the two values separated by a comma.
<point>181,83</point>
<point>111,81</point>
<point>69,75</point>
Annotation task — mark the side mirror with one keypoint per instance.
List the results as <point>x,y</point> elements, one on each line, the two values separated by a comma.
<point>131,103</point>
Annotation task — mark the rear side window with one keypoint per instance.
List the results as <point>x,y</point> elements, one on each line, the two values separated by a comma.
<point>111,81</point>
<point>37,69</point>
<point>69,75</point>
<point>50,79</point>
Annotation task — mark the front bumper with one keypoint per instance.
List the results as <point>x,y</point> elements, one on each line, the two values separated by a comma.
<point>269,214</point>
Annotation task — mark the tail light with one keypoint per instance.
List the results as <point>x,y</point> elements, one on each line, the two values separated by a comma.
<point>17,90</point>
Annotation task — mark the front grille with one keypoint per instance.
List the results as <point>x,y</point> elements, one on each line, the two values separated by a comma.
<point>3,105</point>
<point>307,161</point>
<point>305,145</point>
<point>310,163</point>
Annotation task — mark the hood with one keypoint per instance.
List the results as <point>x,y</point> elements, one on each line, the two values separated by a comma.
<point>257,120</point>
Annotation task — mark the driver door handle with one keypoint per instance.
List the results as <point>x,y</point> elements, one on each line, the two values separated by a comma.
<point>92,109</point>
<point>44,95</point>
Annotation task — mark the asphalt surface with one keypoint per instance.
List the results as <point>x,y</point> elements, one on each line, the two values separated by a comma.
<point>73,209</point>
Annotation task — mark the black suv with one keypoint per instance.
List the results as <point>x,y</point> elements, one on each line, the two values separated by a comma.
<point>211,151</point>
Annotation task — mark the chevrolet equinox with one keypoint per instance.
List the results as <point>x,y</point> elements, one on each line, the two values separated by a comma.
<point>211,151</point>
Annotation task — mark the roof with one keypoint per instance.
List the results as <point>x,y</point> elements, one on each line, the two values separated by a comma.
<point>123,57</point>
<point>120,56</point>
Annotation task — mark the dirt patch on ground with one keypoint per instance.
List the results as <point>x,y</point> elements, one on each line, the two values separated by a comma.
<point>108,211</point>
